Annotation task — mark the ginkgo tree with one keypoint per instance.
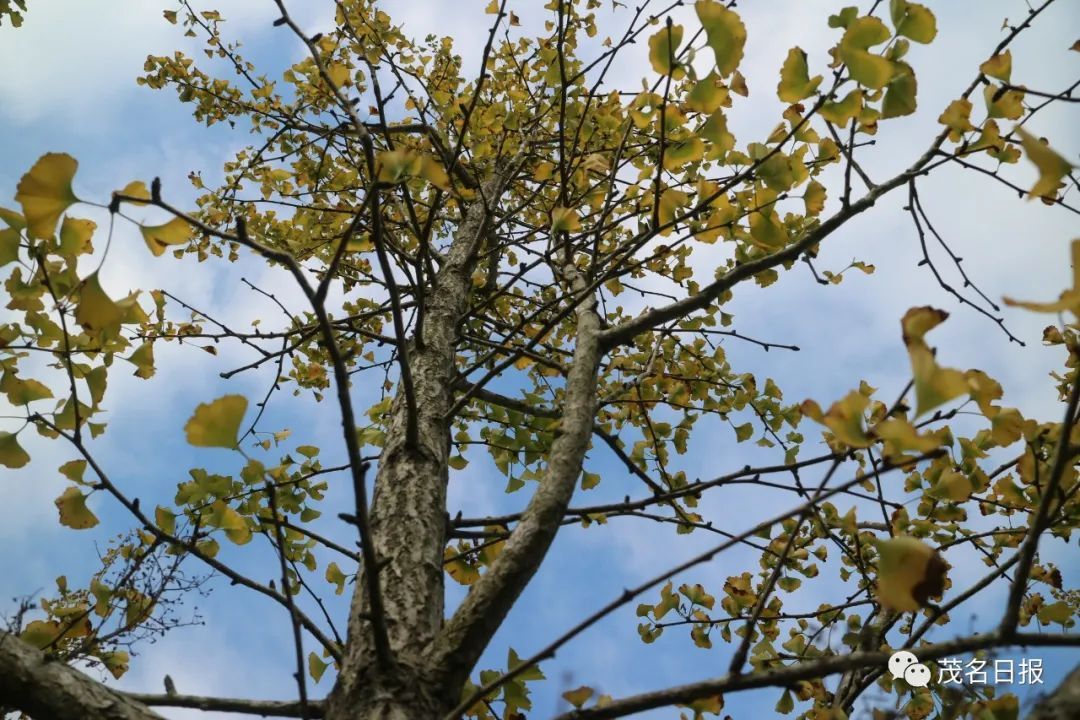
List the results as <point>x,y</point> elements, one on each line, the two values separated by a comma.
<point>469,242</point>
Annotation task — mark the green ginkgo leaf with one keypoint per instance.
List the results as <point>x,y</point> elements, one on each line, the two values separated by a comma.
<point>217,423</point>
<point>11,453</point>
<point>316,667</point>
<point>725,34</point>
<point>45,193</point>
<point>795,81</point>
<point>73,511</point>
<point>900,93</point>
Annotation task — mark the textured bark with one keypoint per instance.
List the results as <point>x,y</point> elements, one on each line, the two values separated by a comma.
<point>468,632</point>
<point>1063,703</point>
<point>47,689</point>
<point>408,512</point>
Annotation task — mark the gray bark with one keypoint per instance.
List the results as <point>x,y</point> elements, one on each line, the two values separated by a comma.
<point>47,689</point>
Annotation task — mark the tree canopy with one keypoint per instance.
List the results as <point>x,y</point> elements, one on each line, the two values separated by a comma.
<point>529,267</point>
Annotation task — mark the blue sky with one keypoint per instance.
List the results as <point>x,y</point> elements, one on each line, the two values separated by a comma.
<point>73,90</point>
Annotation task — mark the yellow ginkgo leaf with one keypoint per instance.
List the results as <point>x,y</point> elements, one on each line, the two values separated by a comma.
<point>45,193</point>
<point>12,219</point>
<point>910,572</point>
<point>578,697</point>
<point>316,667</point>
<point>795,81</point>
<point>725,34</point>
<point>339,74</point>
<point>662,51</point>
<point>432,170</point>
<point>225,517</point>
<point>866,68</point>
<point>1069,300</point>
<point>135,189</point>
<point>393,166</point>
<point>564,219</point>
<point>116,662</point>
<point>1052,167</point>
<point>96,310</point>
<point>840,112</point>
<point>844,418</point>
<point>913,20</point>
<point>708,95</point>
<point>217,423</point>
<point>75,236</point>
<point>158,237</point>
<point>934,385</point>
<point>999,66</point>
<point>73,510</point>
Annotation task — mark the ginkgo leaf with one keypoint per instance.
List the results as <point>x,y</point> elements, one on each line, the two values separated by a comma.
<point>40,633</point>
<point>45,193</point>
<point>957,117</point>
<point>75,236</point>
<point>840,112</point>
<point>22,392</point>
<point>844,418</point>
<point>9,246</point>
<point>12,219</point>
<point>335,577</point>
<point>708,95</point>
<point>316,667</point>
<point>96,310</point>
<point>116,662</point>
<point>135,189</point>
<point>900,93</point>
<point>73,510</point>
<point>393,166</point>
<point>795,81</point>
<point>165,519</point>
<point>223,516</point>
<point>934,385</point>
<point>725,34</point>
<point>999,66</point>
<point>158,237</point>
<point>11,453</point>
<point>913,20</point>
<point>340,75</point>
<point>866,68</point>
<point>578,697</point>
<point>432,170</point>
<point>1052,167</point>
<point>662,51</point>
<point>1068,300</point>
<point>910,572</point>
<point>217,423</point>
<point>766,231</point>
<point>564,219</point>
